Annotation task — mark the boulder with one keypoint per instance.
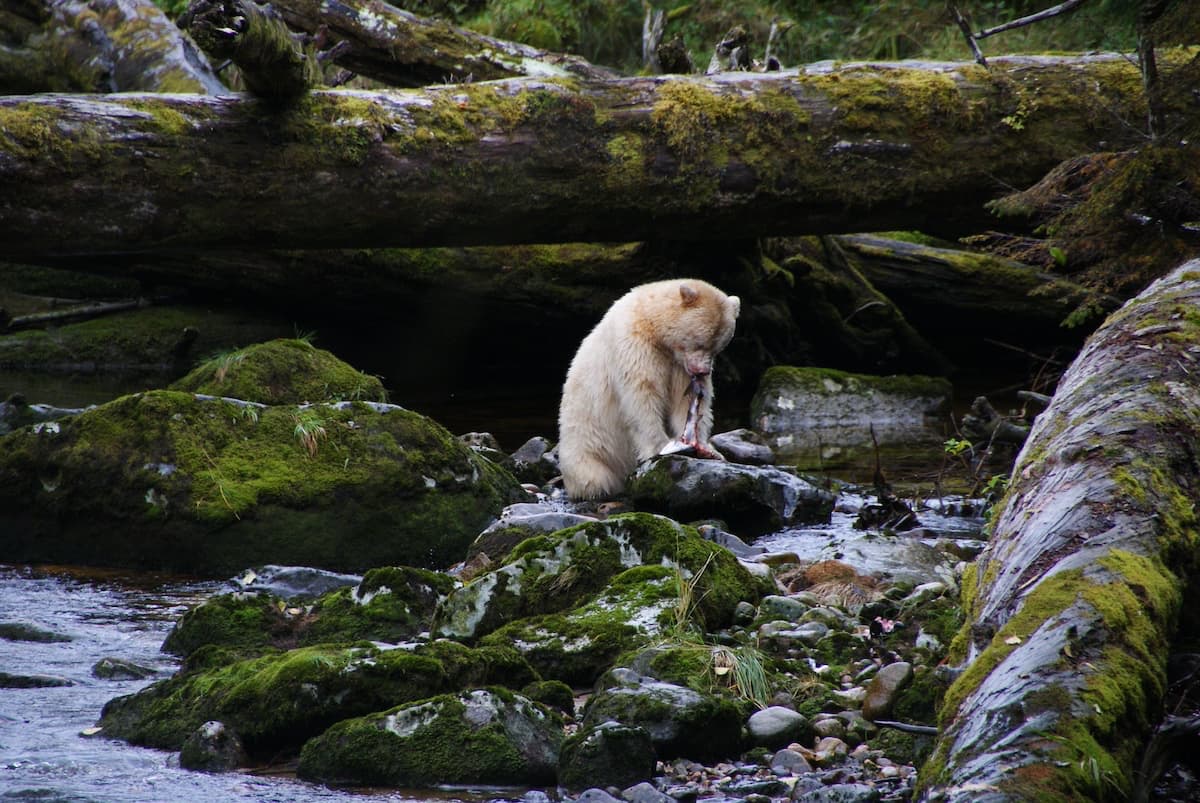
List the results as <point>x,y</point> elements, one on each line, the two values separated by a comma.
<point>173,480</point>
<point>822,418</point>
<point>213,748</point>
<point>480,736</point>
<point>775,726</point>
<point>606,754</point>
<point>681,721</point>
<point>752,500</point>
<point>559,571</point>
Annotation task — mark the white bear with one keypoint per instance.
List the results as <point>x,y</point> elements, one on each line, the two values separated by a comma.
<point>628,390</point>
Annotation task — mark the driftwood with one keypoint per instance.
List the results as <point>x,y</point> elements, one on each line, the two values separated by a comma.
<point>1073,606</point>
<point>97,46</point>
<point>738,155</point>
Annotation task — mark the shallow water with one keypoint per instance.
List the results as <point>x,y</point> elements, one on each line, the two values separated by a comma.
<point>43,755</point>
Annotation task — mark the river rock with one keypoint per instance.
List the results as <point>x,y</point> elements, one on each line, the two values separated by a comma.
<point>277,701</point>
<point>520,521</point>
<point>606,754</point>
<point>534,461</point>
<point>840,793</point>
<point>775,726</point>
<point>173,480</point>
<point>292,583</point>
<point>555,572</point>
<point>11,681</point>
<point>803,411</point>
<point>479,736</point>
<point>744,446</point>
<point>680,720</point>
<point>883,688</point>
<point>23,631</point>
<point>120,669</point>
<point>752,500</point>
<point>213,748</point>
<point>790,761</point>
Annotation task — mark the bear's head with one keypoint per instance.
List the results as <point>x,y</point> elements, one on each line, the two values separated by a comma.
<point>699,325</point>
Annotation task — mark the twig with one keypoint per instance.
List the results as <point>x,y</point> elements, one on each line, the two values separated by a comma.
<point>1061,8</point>
<point>965,27</point>
<point>907,728</point>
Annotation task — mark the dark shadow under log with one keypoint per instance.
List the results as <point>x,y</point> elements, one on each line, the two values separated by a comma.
<point>1073,607</point>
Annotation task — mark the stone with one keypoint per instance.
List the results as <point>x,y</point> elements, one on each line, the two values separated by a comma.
<point>213,748</point>
<point>645,792</point>
<point>791,762</point>
<point>776,726</point>
<point>883,688</point>
<point>120,669</point>
<point>744,446</point>
<point>607,754</point>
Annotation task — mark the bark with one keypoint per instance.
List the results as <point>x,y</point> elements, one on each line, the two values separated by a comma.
<point>402,49</point>
<point>1073,606</point>
<point>738,155</point>
<point>97,46</point>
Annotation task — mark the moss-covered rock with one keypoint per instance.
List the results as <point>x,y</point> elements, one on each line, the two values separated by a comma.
<point>481,736</point>
<point>555,572</point>
<point>577,645</point>
<point>682,722</point>
<point>390,604</point>
<point>277,701</point>
<point>167,479</point>
<point>607,754</point>
<point>285,371</point>
<point>801,411</point>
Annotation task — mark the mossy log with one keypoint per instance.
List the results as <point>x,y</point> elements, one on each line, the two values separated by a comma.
<point>98,46</point>
<point>399,48</point>
<point>861,147</point>
<point>1072,609</point>
<point>274,65</point>
<point>966,289</point>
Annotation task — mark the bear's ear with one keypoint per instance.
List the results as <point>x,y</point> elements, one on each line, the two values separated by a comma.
<point>735,304</point>
<point>689,294</point>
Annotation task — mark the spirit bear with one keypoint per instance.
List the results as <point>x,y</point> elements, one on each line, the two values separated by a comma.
<point>636,375</point>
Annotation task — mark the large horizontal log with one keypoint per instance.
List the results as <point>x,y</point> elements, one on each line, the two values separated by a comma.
<point>1073,606</point>
<point>738,155</point>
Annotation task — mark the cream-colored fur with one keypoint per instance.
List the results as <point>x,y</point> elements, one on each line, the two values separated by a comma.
<point>626,395</point>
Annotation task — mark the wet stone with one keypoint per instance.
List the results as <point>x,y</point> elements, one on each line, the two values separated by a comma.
<point>883,688</point>
<point>790,762</point>
<point>120,669</point>
<point>776,726</point>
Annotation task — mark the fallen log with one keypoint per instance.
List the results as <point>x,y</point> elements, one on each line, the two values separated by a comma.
<point>732,156</point>
<point>1073,606</point>
<point>399,48</point>
<point>98,46</point>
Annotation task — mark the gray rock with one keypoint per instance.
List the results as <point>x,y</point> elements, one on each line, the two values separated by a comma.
<point>213,748</point>
<point>645,792</point>
<point>120,669</point>
<point>728,540</point>
<point>744,446</point>
<point>534,461</point>
<point>752,499</point>
<point>830,726</point>
<point>800,411</point>
<point>776,726</point>
<point>21,631</point>
<point>596,796</point>
<point>608,754</point>
<point>293,583</point>
<point>840,793</point>
<point>780,607</point>
<point>884,687</point>
<point>790,762</point>
<point>520,521</point>
<point>9,681</point>
<point>744,613</point>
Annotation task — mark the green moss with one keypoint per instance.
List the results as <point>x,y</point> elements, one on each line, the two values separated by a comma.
<point>38,131</point>
<point>285,371</point>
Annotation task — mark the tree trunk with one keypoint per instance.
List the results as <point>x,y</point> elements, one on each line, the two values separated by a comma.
<point>97,46</point>
<point>739,155</point>
<point>1073,607</point>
